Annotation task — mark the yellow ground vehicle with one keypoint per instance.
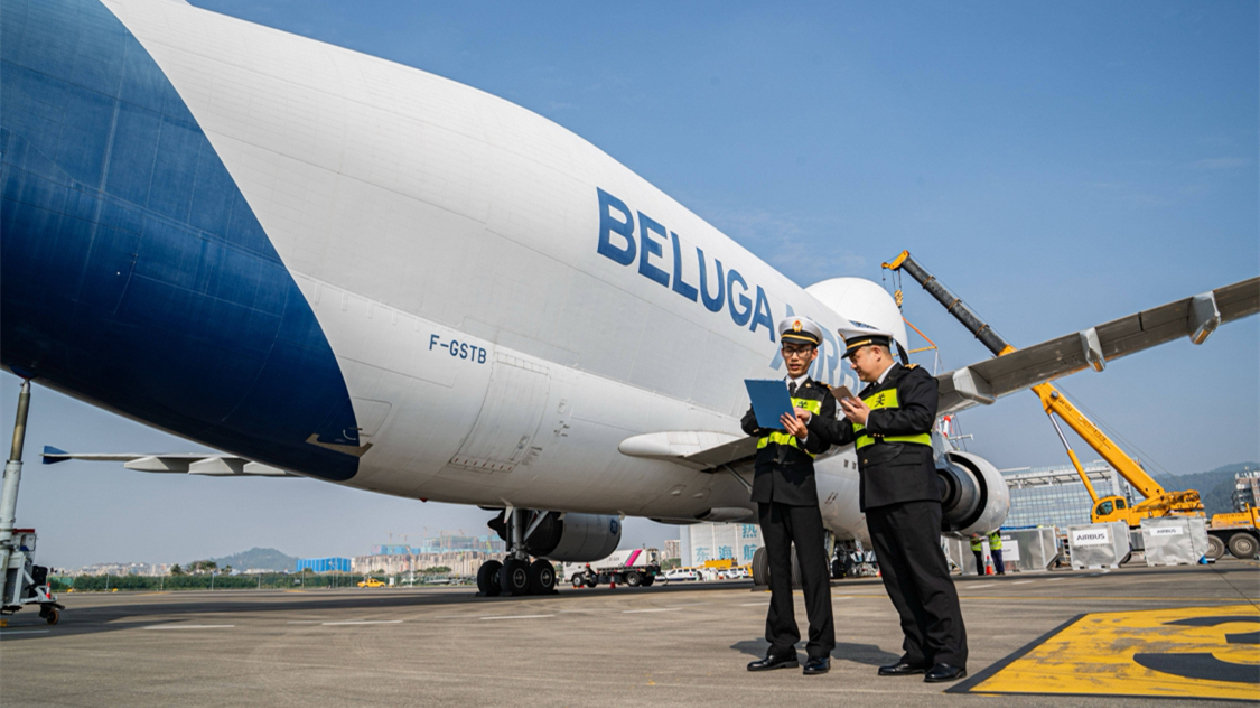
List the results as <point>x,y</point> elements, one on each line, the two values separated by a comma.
<point>1239,531</point>
<point>371,583</point>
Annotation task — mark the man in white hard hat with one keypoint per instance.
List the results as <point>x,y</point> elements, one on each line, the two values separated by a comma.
<point>788,510</point>
<point>890,423</point>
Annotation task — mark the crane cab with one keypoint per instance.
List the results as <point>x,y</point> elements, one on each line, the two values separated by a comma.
<point>1114,508</point>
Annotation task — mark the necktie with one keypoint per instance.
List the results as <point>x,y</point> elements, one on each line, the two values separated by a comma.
<point>792,389</point>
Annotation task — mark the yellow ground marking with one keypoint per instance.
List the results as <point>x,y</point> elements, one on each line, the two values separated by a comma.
<point>1190,652</point>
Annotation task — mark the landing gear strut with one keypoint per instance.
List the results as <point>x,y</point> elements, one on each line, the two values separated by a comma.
<point>516,575</point>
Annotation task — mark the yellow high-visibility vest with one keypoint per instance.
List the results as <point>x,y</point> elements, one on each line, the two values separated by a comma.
<point>995,541</point>
<point>780,437</point>
<point>886,399</point>
<point>977,544</point>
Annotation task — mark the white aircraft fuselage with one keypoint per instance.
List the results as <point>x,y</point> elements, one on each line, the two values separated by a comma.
<point>375,276</point>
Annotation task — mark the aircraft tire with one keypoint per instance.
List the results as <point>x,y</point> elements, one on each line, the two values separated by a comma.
<point>488,579</point>
<point>761,569</point>
<point>1242,545</point>
<point>1216,547</point>
<point>542,577</point>
<point>576,581</point>
<point>514,577</point>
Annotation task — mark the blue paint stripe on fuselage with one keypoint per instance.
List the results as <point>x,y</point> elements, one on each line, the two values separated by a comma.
<point>132,271</point>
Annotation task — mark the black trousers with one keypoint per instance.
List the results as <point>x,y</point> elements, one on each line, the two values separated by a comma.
<point>781,524</point>
<point>907,539</point>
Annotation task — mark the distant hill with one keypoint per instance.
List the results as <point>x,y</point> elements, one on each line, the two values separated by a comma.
<point>261,558</point>
<point>1215,486</point>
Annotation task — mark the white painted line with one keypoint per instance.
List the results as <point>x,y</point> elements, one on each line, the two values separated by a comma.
<point>1023,582</point>
<point>26,631</point>
<point>304,622</point>
<point>977,587</point>
<point>1051,580</point>
<point>342,624</point>
<point>188,626</point>
<point>514,617</point>
<point>654,609</point>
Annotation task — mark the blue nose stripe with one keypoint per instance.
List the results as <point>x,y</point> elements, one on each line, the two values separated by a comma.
<point>133,273</point>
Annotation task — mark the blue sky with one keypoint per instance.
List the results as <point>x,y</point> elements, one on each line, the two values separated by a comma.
<point>1057,165</point>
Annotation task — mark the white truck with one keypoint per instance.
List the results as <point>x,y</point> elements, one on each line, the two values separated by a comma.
<point>637,567</point>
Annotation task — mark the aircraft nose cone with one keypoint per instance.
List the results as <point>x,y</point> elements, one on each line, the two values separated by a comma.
<point>133,271</point>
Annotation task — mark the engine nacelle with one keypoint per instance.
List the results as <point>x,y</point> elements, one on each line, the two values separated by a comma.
<point>574,538</point>
<point>974,497</point>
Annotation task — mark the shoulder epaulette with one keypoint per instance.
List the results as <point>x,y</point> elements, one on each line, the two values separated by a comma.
<point>912,366</point>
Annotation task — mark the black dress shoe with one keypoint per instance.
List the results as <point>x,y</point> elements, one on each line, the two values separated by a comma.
<point>781,661</point>
<point>944,672</point>
<point>817,665</point>
<point>902,668</point>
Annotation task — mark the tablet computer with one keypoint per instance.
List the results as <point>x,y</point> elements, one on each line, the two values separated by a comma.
<point>770,400</point>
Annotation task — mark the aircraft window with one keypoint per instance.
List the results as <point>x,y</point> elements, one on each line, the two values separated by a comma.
<point>1104,508</point>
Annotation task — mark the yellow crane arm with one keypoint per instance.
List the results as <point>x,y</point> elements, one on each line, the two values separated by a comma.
<point>1055,404</point>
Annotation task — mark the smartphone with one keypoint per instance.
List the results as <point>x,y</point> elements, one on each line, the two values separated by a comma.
<point>841,392</point>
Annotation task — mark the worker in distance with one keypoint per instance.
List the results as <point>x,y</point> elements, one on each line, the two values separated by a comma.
<point>788,509</point>
<point>890,423</point>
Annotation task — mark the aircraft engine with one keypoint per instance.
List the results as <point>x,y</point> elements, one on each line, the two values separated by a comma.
<point>974,497</point>
<point>574,538</point>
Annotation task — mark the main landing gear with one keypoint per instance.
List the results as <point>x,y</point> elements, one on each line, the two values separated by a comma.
<point>516,575</point>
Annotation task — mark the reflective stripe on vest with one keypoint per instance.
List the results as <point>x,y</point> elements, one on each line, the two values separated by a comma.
<point>779,437</point>
<point>995,541</point>
<point>886,399</point>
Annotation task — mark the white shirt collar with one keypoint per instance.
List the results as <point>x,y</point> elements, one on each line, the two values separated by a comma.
<point>788,380</point>
<point>884,375</point>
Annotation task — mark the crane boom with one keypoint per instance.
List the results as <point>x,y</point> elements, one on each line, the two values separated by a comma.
<point>1157,501</point>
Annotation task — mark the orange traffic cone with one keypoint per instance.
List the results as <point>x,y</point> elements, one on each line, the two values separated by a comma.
<point>988,566</point>
<point>612,582</point>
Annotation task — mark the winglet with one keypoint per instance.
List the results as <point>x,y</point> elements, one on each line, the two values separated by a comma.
<point>52,455</point>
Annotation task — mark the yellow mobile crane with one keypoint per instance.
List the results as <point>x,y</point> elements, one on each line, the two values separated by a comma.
<point>1241,529</point>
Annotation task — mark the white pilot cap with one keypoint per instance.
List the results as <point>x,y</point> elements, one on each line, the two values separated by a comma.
<point>800,330</point>
<point>859,334</point>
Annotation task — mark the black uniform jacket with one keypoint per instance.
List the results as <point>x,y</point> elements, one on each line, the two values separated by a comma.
<point>891,472</point>
<point>785,474</point>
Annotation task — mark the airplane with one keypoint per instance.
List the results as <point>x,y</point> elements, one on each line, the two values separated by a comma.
<point>333,266</point>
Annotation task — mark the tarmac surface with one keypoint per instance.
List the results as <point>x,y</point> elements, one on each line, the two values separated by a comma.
<point>682,644</point>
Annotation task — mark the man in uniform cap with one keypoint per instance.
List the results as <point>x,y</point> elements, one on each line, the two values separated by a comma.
<point>788,510</point>
<point>890,424</point>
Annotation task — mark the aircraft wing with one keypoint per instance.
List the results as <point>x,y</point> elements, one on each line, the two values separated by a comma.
<point>1194,317</point>
<point>175,463</point>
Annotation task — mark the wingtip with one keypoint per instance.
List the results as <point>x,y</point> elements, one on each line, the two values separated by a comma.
<point>53,455</point>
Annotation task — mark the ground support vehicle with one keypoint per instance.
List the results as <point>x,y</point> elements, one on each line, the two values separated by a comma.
<point>1239,532</point>
<point>638,567</point>
<point>22,583</point>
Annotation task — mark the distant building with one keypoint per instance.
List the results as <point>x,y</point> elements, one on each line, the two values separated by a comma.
<point>118,569</point>
<point>447,542</point>
<point>391,549</point>
<point>460,563</point>
<point>324,565</point>
<point>673,549</point>
<point>721,541</point>
<point>1246,489</point>
<point>1056,496</point>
